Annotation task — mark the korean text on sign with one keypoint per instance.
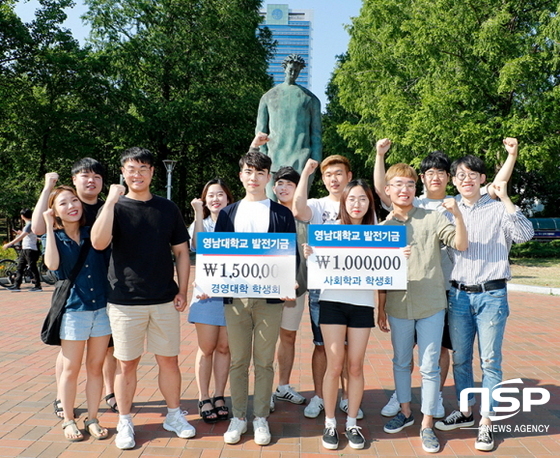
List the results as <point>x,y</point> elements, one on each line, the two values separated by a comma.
<point>252,265</point>
<point>356,257</point>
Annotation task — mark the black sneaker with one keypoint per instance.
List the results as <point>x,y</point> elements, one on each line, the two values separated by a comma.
<point>455,420</point>
<point>330,438</point>
<point>485,440</point>
<point>355,438</point>
<point>15,288</point>
<point>35,290</point>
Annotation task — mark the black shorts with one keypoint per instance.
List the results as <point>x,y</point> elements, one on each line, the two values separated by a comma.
<point>445,337</point>
<point>352,316</point>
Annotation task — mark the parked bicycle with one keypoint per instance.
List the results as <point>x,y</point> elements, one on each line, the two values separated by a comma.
<point>8,270</point>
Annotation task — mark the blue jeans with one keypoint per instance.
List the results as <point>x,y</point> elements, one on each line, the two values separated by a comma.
<point>428,335</point>
<point>483,314</point>
<point>314,315</point>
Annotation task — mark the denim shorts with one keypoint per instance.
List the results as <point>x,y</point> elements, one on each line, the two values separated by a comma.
<point>314,316</point>
<point>83,325</point>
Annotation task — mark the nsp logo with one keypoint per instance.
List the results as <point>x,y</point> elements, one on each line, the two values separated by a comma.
<point>498,395</point>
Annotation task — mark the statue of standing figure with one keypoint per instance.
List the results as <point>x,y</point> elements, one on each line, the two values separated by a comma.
<point>291,116</point>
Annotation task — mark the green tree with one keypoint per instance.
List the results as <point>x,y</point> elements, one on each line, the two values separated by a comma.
<point>458,77</point>
<point>192,73</point>
<point>41,71</point>
<point>333,142</point>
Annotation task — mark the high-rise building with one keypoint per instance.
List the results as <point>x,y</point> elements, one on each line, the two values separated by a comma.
<point>292,30</point>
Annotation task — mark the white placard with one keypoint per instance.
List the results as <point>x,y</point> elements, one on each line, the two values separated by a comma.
<point>246,265</point>
<point>356,268</point>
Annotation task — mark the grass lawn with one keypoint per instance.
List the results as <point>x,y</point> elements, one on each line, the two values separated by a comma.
<point>536,271</point>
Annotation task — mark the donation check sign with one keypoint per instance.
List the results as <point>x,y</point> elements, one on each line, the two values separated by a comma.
<point>356,257</point>
<point>255,265</point>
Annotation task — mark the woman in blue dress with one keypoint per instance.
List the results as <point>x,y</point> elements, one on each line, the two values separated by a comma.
<point>213,355</point>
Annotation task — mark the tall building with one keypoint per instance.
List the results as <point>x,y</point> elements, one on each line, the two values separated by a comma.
<point>292,30</point>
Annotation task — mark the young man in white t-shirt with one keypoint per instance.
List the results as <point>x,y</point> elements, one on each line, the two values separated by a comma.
<point>335,173</point>
<point>252,324</point>
<point>435,176</point>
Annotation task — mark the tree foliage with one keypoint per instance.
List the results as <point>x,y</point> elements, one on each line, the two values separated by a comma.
<point>333,142</point>
<point>192,72</point>
<point>180,77</point>
<point>458,77</point>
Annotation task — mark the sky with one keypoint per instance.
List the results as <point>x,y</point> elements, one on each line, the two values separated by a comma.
<point>329,37</point>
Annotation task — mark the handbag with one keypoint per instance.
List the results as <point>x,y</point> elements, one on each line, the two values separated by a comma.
<point>50,332</point>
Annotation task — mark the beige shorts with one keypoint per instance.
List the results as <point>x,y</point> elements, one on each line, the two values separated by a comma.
<point>131,324</point>
<point>292,313</point>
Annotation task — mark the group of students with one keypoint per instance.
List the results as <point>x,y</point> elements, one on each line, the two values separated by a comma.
<point>457,272</point>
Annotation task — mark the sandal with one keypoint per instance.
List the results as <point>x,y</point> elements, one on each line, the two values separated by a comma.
<point>95,430</point>
<point>209,416</point>
<point>221,411</point>
<point>113,407</point>
<point>58,410</point>
<point>73,430</point>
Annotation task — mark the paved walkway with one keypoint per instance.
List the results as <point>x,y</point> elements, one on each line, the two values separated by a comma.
<point>28,427</point>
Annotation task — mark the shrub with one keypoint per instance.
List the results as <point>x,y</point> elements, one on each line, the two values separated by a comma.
<point>534,249</point>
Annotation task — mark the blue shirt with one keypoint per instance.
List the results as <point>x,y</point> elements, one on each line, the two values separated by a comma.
<point>89,291</point>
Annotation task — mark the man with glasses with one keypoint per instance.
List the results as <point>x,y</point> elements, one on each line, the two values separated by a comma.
<point>418,313</point>
<point>144,301</point>
<point>478,296</point>
<point>435,175</point>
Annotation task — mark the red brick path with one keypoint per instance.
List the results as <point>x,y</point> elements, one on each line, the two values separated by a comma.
<point>28,427</point>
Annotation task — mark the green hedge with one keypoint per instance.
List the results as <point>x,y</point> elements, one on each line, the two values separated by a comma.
<point>533,249</point>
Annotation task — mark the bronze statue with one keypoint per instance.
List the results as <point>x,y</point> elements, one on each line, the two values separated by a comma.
<point>291,116</point>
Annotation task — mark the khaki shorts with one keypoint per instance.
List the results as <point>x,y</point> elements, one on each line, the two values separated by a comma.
<point>131,324</point>
<point>292,313</point>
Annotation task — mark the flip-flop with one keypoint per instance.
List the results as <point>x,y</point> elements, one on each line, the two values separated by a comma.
<point>95,430</point>
<point>113,407</point>
<point>75,431</point>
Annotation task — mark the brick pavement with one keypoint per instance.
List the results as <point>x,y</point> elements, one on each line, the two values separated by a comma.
<point>28,427</point>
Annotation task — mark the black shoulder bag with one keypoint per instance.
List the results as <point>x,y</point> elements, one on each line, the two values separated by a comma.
<point>50,333</point>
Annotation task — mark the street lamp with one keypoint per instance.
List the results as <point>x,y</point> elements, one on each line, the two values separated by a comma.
<point>169,166</point>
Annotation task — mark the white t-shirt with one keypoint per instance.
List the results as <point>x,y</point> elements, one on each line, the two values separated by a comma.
<point>324,210</point>
<point>362,297</point>
<point>252,216</point>
<point>207,223</point>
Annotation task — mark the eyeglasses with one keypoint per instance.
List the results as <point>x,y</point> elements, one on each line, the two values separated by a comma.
<point>431,174</point>
<point>130,171</point>
<point>462,175</point>
<point>399,185</point>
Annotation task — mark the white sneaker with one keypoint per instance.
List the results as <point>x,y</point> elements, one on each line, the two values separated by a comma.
<point>314,408</point>
<point>343,405</point>
<point>392,408</point>
<point>261,430</point>
<point>234,431</point>
<point>272,403</point>
<point>289,394</point>
<point>125,435</point>
<point>179,425</point>
<point>440,410</point>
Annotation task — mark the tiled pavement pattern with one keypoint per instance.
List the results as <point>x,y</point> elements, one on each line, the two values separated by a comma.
<point>28,427</point>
